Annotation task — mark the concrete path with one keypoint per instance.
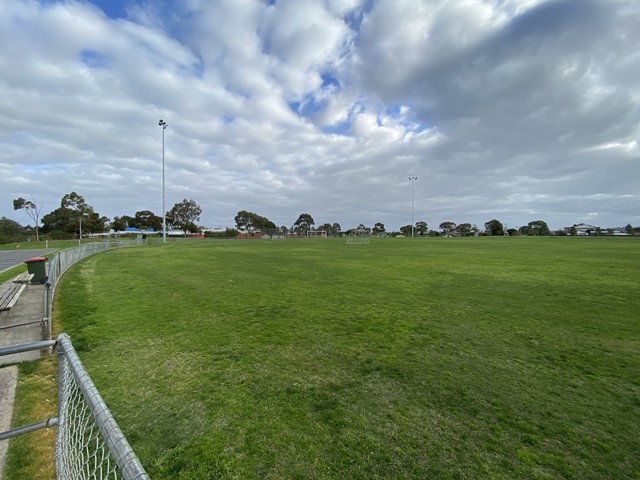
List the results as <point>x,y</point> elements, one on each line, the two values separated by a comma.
<point>29,308</point>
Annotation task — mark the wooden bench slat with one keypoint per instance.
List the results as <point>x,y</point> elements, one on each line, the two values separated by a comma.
<point>25,277</point>
<point>9,295</point>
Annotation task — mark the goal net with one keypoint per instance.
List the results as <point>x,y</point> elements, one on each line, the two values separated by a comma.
<point>360,238</point>
<point>316,234</point>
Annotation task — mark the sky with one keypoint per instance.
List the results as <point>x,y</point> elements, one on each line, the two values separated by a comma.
<point>516,110</point>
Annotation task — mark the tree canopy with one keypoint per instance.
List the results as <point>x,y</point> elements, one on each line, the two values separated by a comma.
<point>494,227</point>
<point>183,215</point>
<point>250,222</point>
<point>32,209</point>
<point>303,223</point>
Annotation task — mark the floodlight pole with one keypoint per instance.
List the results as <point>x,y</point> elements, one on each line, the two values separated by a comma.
<point>413,179</point>
<point>164,125</point>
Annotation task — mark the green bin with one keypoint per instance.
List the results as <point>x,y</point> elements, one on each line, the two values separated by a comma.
<point>37,266</point>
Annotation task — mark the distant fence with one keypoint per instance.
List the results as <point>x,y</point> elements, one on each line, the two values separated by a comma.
<point>89,443</point>
<point>62,260</point>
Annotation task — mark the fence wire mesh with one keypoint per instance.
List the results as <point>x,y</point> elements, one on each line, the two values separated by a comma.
<point>89,443</point>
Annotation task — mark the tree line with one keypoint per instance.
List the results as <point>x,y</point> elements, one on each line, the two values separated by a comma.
<point>75,218</point>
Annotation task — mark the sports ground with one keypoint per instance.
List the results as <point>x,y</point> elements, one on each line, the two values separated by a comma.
<point>405,358</point>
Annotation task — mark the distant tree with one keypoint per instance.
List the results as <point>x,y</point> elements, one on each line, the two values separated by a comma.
<point>362,228</point>
<point>119,223</point>
<point>466,230</point>
<point>538,227</point>
<point>378,228</point>
<point>250,222</point>
<point>303,223</point>
<point>573,230</point>
<point>184,215</point>
<point>336,229</point>
<point>10,230</point>
<point>145,219</point>
<point>60,223</point>
<point>448,228</point>
<point>76,202</point>
<point>524,230</point>
<point>406,230</point>
<point>32,209</point>
<point>421,228</point>
<point>494,227</point>
<point>629,229</point>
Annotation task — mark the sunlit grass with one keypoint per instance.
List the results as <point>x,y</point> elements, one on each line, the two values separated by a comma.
<point>477,358</point>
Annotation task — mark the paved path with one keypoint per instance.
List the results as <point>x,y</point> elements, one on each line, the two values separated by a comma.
<point>11,258</point>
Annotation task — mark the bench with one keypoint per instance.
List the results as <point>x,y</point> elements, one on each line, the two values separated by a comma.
<point>23,278</point>
<point>9,293</point>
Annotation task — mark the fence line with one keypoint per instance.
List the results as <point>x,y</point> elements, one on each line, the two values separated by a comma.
<point>89,443</point>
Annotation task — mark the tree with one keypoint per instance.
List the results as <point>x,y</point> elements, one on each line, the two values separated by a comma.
<point>538,227</point>
<point>421,228</point>
<point>32,209</point>
<point>10,230</point>
<point>466,229</point>
<point>303,223</point>
<point>629,229</point>
<point>448,228</point>
<point>146,219</point>
<point>119,223</point>
<point>75,202</point>
<point>250,222</point>
<point>184,215</point>
<point>60,223</point>
<point>406,230</point>
<point>336,229</point>
<point>378,228</point>
<point>494,227</point>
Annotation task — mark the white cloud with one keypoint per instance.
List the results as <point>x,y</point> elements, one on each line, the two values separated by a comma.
<point>504,109</point>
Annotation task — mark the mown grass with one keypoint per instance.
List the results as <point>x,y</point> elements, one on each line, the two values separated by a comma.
<point>477,358</point>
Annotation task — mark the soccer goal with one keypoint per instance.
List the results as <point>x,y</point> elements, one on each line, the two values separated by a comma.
<point>360,238</point>
<point>316,234</point>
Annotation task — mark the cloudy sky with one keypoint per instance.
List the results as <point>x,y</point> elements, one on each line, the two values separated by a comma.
<point>511,109</point>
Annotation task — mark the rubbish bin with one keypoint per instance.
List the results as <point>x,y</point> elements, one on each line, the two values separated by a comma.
<point>37,266</point>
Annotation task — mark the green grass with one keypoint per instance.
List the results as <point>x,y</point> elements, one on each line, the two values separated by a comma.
<point>444,359</point>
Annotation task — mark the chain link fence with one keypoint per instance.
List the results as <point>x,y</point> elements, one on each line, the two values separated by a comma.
<point>89,443</point>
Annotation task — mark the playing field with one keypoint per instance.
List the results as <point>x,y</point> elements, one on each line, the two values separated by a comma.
<point>406,358</point>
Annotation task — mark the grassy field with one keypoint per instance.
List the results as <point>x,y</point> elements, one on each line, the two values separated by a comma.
<point>443,358</point>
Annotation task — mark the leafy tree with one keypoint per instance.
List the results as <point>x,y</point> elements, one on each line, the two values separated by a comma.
<point>303,223</point>
<point>336,229</point>
<point>60,223</point>
<point>73,215</point>
<point>378,228</point>
<point>250,222</point>
<point>184,215</point>
<point>75,202</point>
<point>406,230</point>
<point>146,219</point>
<point>538,227</point>
<point>573,230</point>
<point>421,228</point>
<point>119,224</point>
<point>448,228</point>
<point>629,229</point>
<point>466,229</point>
<point>494,227</point>
<point>524,230</point>
<point>10,230</point>
<point>31,208</point>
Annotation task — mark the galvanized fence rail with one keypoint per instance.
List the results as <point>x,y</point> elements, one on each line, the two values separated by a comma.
<point>89,443</point>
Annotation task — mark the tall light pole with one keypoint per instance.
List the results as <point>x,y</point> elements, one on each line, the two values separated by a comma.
<point>163,125</point>
<point>413,179</point>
